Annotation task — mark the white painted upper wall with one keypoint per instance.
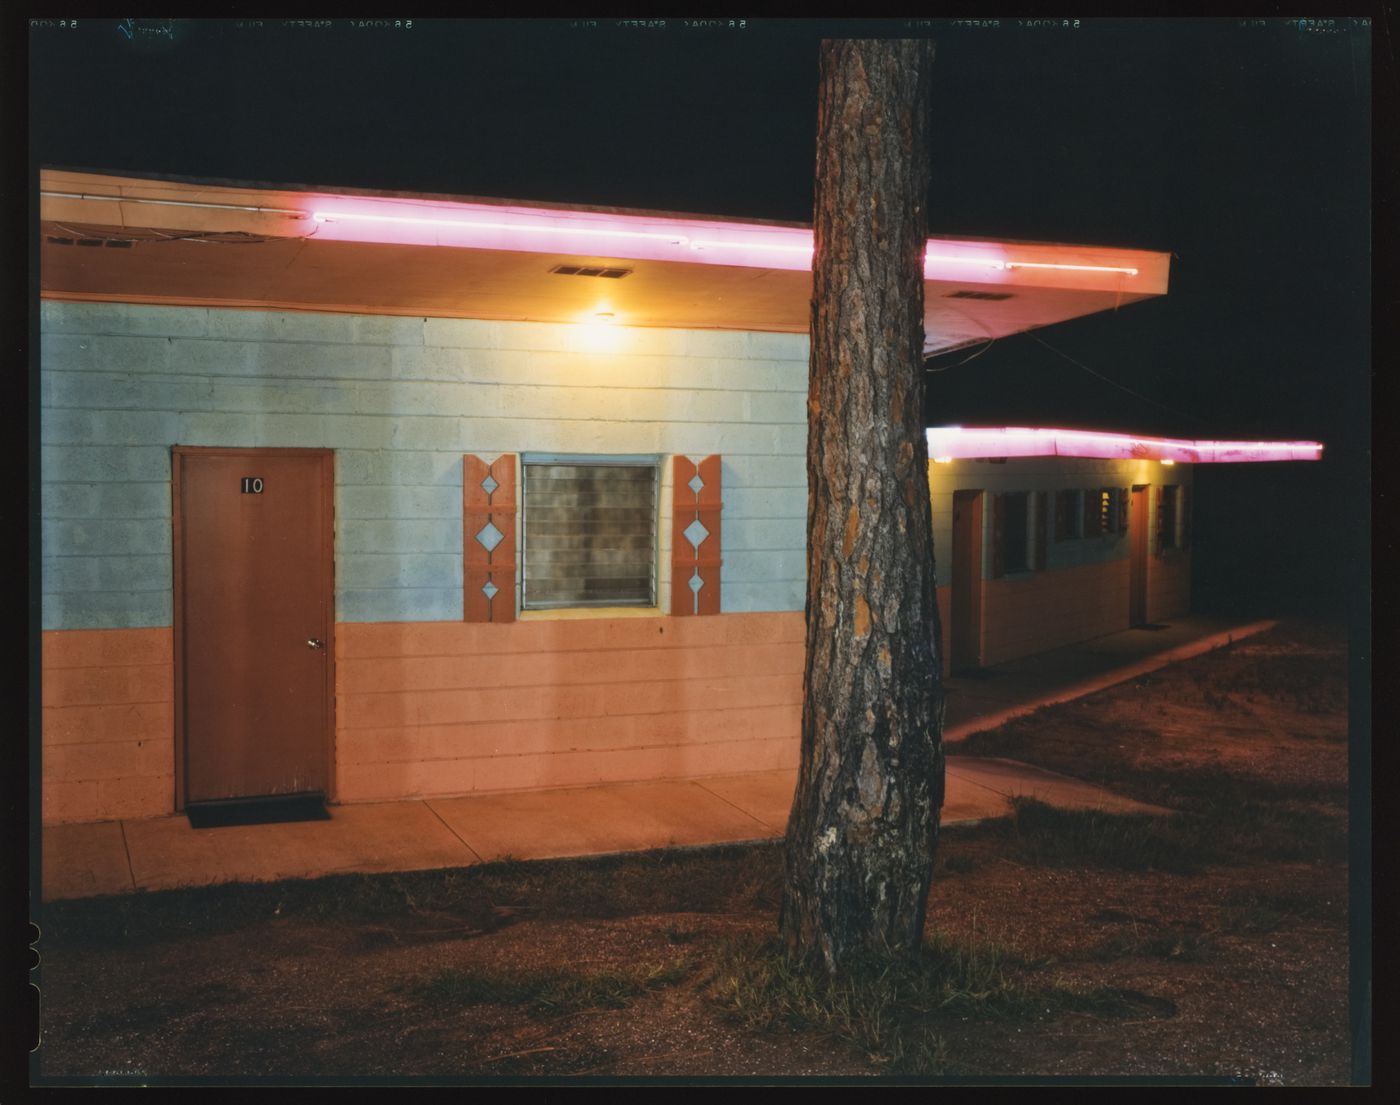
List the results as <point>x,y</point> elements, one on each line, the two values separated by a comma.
<point>400,400</point>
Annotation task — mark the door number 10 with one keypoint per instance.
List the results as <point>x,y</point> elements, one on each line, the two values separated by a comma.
<point>252,485</point>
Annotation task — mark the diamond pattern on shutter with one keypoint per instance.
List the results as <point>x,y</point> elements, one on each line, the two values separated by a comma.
<point>488,539</point>
<point>695,536</point>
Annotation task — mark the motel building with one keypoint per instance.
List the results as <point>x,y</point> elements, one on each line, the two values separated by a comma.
<point>376,496</point>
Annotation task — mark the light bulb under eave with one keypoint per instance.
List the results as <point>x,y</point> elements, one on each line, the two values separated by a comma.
<point>1167,462</point>
<point>600,332</point>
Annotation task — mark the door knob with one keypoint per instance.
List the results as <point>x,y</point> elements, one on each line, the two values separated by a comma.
<point>315,642</point>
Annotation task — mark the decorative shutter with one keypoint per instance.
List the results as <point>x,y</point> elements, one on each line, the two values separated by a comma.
<point>695,536</point>
<point>1042,530</point>
<point>488,537</point>
<point>1125,499</point>
<point>1183,508</point>
<point>998,539</point>
<point>1062,515</point>
<point>1160,544</point>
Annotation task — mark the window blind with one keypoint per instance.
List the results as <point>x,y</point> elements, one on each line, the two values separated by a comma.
<point>590,534</point>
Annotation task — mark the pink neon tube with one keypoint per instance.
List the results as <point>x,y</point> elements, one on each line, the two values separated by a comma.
<point>640,237</point>
<point>970,443</point>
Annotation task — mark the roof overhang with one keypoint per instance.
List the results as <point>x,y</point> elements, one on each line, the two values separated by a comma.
<point>240,245</point>
<point>970,443</point>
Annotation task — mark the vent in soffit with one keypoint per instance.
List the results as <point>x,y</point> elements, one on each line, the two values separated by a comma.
<point>963,293</point>
<point>589,270</point>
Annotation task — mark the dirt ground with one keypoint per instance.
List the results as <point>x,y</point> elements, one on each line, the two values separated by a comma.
<point>1222,935</point>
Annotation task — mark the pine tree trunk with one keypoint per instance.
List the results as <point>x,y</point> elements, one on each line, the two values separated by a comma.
<point>864,823</point>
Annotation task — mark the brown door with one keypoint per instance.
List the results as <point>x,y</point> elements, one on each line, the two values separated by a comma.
<point>965,639</point>
<point>1137,572</point>
<point>254,614</point>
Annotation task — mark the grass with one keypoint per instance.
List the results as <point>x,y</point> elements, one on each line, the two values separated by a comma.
<point>1182,946</point>
<point>1048,836</point>
<point>1222,825</point>
<point>1247,913</point>
<point>890,1012</point>
<point>551,992</point>
<point>677,935</point>
<point>1299,680</point>
<point>722,879</point>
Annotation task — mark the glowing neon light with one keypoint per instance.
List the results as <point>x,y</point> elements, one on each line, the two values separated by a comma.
<point>705,243</point>
<point>691,236</point>
<point>636,236</point>
<point>943,259</point>
<point>970,443</point>
<point>1068,268</point>
<point>478,224</point>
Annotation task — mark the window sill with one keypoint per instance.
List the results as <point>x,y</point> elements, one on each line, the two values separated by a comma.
<point>581,613</point>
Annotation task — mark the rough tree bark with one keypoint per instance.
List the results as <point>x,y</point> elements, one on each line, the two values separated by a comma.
<point>864,822</point>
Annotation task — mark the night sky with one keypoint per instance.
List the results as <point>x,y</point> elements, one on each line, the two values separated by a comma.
<point>1243,150</point>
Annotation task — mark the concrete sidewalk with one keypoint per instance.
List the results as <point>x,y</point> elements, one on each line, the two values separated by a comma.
<point>116,857</point>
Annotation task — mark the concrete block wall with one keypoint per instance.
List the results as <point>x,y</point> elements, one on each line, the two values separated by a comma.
<point>1036,611</point>
<point>400,400</point>
<point>425,703</point>
<point>441,708</point>
<point>1083,591</point>
<point>108,724</point>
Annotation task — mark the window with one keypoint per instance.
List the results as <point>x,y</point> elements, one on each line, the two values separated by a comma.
<point>1015,532</point>
<point>1101,511</point>
<point>1169,518</point>
<point>589,530</point>
<point>1069,515</point>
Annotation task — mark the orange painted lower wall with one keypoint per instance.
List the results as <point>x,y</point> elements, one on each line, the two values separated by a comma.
<point>447,707</point>
<point>1038,611</point>
<point>108,724</point>
<point>436,708</point>
<point>1168,585</point>
<point>439,708</point>
<point>442,708</point>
